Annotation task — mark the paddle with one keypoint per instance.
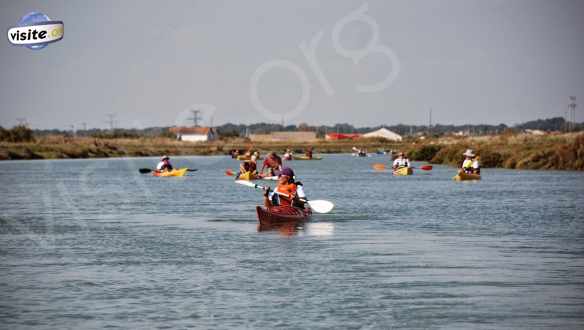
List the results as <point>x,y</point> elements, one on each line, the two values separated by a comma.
<point>148,170</point>
<point>318,206</point>
<point>229,172</point>
<point>381,167</point>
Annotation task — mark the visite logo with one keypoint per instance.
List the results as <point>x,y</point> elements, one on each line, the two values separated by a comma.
<point>35,30</point>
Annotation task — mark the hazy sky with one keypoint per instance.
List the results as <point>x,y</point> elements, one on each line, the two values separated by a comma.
<point>150,62</point>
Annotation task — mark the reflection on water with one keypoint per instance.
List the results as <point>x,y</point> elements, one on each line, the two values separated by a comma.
<point>300,228</point>
<point>95,244</point>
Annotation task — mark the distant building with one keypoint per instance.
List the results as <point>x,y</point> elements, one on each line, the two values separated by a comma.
<point>284,137</point>
<point>341,136</point>
<point>194,134</point>
<point>534,132</point>
<point>383,133</point>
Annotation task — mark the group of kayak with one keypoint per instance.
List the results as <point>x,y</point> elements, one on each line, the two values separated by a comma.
<point>272,164</point>
<point>287,201</point>
<point>470,169</point>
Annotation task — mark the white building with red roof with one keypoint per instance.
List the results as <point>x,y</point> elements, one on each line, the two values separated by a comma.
<point>194,134</point>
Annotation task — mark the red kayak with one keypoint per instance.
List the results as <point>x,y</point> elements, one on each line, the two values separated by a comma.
<point>282,214</point>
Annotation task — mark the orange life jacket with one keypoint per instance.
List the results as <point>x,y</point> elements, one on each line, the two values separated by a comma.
<point>288,189</point>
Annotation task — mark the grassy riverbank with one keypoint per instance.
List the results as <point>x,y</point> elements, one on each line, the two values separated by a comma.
<point>562,151</point>
<point>518,151</point>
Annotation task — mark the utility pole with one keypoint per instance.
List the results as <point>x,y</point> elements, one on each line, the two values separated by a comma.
<point>72,129</point>
<point>196,117</point>
<point>430,123</point>
<point>111,120</point>
<point>84,126</point>
<point>572,113</point>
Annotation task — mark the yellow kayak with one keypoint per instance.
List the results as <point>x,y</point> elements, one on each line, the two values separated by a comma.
<point>461,176</point>
<point>247,176</point>
<point>306,158</point>
<point>244,157</point>
<point>403,171</point>
<point>174,172</point>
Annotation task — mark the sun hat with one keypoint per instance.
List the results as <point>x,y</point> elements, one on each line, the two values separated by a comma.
<point>468,153</point>
<point>164,157</point>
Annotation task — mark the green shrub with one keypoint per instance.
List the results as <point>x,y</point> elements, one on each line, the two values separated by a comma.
<point>425,153</point>
<point>18,133</point>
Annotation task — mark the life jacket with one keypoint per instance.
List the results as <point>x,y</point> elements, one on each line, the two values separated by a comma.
<point>164,166</point>
<point>288,189</point>
<point>401,162</point>
<point>467,164</point>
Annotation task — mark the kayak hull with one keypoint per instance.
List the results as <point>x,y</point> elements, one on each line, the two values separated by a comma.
<point>306,158</point>
<point>282,214</point>
<point>174,172</point>
<point>248,176</point>
<point>404,171</point>
<point>461,176</point>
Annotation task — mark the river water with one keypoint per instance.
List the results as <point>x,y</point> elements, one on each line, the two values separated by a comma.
<point>95,244</point>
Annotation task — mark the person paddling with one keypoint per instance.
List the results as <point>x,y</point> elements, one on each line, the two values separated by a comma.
<point>287,186</point>
<point>288,154</point>
<point>164,164</point>
<point>476,166</point>
<point>273,163</point>
<point>248,166</point>
<point>400,161</point>
<point>308,153</point>
<point>467,164</point>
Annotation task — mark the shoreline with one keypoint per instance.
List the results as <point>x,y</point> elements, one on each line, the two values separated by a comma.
<point>519,151</point>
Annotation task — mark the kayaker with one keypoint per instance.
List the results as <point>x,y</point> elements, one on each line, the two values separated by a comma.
<point>288,155</point>
<point>273,163</point>
<point>164,164</point>
<point>286,185</point>
<point>476,167</point>
<point>401,161</point>
<point>248,166</point>
<point>468,161</point>
<point>308,153</point>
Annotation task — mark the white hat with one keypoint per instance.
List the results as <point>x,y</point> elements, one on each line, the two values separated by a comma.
<point>254,158</point>
<point>468,153</point>
<point>164,157</point>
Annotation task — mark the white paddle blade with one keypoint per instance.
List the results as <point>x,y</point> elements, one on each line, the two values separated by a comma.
<point>271,178</point>
<point>321,206</point>
<point>246,183</point>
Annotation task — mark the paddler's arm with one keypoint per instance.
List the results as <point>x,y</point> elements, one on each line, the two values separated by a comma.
<point>267,201</point>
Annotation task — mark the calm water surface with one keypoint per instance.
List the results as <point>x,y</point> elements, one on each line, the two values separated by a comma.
<point>95,244</point>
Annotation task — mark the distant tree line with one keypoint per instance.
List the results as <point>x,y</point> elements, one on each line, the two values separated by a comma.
<point>551,124</point>
<point>24,134</point>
